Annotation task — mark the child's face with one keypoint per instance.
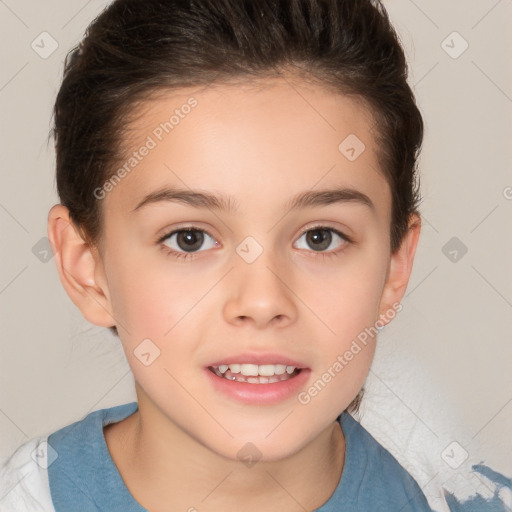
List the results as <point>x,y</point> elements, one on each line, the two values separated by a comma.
<point>227,302</point>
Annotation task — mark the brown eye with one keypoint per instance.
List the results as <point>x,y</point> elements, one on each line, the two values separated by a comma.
<point>319,239</point>
<point>188,240</point>
<point>322,238</point>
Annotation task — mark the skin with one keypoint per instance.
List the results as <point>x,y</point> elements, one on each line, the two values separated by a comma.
<point>261,145</point>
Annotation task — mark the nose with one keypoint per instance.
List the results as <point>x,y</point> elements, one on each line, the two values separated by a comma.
<point>260,294</point>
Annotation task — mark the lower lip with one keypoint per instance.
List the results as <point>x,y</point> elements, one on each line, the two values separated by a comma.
<point>259,393</point>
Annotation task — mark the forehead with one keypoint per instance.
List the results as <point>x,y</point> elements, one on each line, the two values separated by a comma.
<point>263,141</point>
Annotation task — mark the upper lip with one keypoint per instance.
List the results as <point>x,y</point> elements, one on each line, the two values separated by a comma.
<point>259,359</point>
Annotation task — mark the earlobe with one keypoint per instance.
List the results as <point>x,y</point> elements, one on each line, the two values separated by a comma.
<point>77,267</point>
<point>400,268</point>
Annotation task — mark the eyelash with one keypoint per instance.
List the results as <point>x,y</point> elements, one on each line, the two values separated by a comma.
<point>189,256</point>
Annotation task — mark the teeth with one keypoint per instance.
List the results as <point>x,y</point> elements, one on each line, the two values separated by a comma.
<point>249,370</point>
<point>235,368</point>
<point>254,370</point>
<point>266,370</point>
<point>279,369</point>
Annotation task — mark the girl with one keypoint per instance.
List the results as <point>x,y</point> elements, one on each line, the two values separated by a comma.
<point>239,204</point>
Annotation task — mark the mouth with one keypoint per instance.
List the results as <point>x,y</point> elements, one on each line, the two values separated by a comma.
<point>257,379</point>
<point>255,374</point>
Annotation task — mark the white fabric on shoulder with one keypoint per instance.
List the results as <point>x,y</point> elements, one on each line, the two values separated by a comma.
<point>24,485</point>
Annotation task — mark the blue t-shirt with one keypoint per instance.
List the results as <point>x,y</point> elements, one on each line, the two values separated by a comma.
<point>84,477</point>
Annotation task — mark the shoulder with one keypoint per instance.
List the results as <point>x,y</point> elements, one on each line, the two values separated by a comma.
<point>24,483</point>
<point>83,476</point>
<point>372,475</point>
<point>65,470</point>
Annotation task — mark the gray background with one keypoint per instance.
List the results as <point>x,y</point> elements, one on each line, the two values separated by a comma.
<point>442,372</point>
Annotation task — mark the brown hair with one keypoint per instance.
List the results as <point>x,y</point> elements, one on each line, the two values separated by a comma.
<point>136,48</point>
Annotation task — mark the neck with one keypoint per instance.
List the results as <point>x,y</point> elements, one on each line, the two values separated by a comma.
<point>162,466</point>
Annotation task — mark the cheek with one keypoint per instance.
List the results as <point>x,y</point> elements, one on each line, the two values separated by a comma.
<point>154,310</point>
<point>158,302</point>
<point>346,298</point>
<point>141,303</point>
<point>348,307</point>
<point>146,301</point>
<point>346,295</point>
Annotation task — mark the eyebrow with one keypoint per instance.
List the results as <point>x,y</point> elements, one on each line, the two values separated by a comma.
<point>201,199</point>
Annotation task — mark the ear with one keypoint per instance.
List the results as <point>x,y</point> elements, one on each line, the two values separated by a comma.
<point>399,269</point>
<point>80,268</point>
